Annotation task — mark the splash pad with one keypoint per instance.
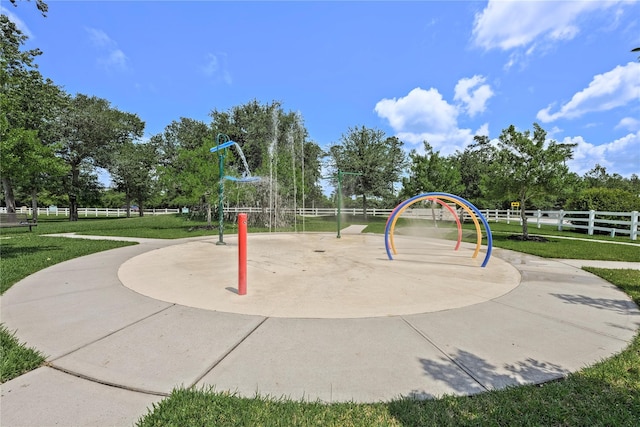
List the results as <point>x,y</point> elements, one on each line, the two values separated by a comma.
<point>315,275</point>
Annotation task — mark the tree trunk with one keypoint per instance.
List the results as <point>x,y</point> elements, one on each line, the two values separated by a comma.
<point>364,206</point>
<point>73,194</point>
<point>9,198</point>
<point>128,205</point>
<point>525,224</point>
<point>34,204</point>
<point>73,208</point>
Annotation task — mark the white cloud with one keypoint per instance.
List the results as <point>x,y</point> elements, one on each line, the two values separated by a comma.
<point>474,102</point>
<point>512,24</point>
<point>629,123</point>
<point>483,130</point>
<point>216,67</point>
<point>100,39</point>
<point>621,156</point>
<point>111,58</point>
<point>426,115</point>
<point>606,91</point>
<point>420,109</point>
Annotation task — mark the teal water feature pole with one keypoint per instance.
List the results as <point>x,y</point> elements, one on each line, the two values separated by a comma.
<point>222,143</point>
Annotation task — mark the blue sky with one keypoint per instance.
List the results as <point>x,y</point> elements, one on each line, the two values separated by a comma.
<point>436,71</point>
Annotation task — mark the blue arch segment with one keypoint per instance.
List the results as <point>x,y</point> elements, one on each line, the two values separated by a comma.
<point>453,196</point>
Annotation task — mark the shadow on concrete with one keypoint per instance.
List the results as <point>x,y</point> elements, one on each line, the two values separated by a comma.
<point>468,374</point>
<point>622,306</point>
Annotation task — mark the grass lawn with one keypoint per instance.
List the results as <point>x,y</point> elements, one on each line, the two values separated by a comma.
<point>606,394</point>
<point>16,358</point>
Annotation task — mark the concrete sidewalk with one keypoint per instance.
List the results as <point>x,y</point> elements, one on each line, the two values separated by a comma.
<point>114,351</point>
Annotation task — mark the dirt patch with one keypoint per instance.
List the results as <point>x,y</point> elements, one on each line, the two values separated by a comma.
<point>521,238</point>
<point>202,227</point>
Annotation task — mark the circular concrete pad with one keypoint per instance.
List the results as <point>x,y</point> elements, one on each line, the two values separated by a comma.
<point>319,276</point>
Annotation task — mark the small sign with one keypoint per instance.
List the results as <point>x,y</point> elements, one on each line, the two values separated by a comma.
<point>515,205</point>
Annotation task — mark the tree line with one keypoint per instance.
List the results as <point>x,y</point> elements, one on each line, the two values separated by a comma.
<point>53,144</point>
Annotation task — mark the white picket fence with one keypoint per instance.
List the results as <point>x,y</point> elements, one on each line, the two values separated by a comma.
<point>614,223</point>
<point>93,212</point>
<point>579,220</point>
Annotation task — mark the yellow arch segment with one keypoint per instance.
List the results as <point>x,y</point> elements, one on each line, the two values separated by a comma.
<point>450,199</point>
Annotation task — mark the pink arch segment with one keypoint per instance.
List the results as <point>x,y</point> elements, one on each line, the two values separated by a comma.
<point>464,204</point>
<point>398,210</point>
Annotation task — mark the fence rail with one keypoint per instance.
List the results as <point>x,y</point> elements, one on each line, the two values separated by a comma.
<point>93,212</point>
<point>626,223</point>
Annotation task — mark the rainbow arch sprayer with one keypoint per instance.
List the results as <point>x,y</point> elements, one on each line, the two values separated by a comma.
<point>467,206</point>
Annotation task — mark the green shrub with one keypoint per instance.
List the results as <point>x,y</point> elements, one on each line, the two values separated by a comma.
<point>605,199</point>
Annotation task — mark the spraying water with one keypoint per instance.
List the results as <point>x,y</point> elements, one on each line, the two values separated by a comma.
<point>292,144</point>
<point>273,155</point>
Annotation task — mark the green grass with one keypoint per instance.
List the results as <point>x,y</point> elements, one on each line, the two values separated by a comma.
<point>160,227</point>
<point>25,253</point>
<point>569,249</point>
<point>15,358</point>
<point>558,246</point>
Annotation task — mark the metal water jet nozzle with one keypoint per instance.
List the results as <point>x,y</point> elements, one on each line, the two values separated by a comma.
<point>222,143</point>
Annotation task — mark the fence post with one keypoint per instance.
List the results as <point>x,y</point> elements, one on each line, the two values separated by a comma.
<point>539,215</point>
<point>592,217</point>
<point>560,219</point>
<point>508,215</point>
<point>634,225</point>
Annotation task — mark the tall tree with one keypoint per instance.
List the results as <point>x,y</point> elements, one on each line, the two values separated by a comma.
<point>133,171</point>
<point>378,160</point>
<point>188,170</point>
<point>29,104</point>
<point>276,148</point>
<point>473,163</point>
<point>431,172</point>
<point>90,132</point>
<point>526,168</point>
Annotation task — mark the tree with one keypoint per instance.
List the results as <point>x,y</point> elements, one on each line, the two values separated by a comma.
<point>526,168</point>
<point>29,105</point>
<point>275,145</point>
<point>473,163</point>
<point>133,173</point>
<point>599,178</point>
<point>90,131</point>
<point>431,172</point>
<point>188,171</point>
<point>379,161</point>
<point>40,4</point>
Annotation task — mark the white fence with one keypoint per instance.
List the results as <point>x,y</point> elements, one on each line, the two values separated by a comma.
<point>626,223</point>
<point>614,223</point>
<point>92,212</point>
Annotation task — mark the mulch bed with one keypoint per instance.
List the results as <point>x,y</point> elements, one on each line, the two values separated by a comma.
<point>521,238</point>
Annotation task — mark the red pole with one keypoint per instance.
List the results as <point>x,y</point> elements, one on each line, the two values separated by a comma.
<point>242,254</point>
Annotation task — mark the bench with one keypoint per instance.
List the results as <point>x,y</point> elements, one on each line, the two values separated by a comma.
<point>16,219</point>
